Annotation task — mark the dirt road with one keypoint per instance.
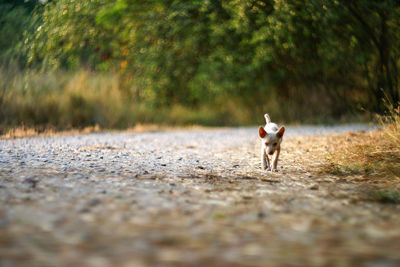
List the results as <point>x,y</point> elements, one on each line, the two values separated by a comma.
<point>192,197</point>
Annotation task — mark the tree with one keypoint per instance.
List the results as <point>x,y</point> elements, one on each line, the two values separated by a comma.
<point>318,57</point>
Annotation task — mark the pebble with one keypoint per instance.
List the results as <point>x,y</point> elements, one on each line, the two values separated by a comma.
<point>32,181</point>
<point>314,187</point>
<point>94,202</point>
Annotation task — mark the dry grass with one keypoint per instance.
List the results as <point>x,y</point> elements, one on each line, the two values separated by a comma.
<point>23,131</point>
<point>70,100</point>
<point>373,154</point>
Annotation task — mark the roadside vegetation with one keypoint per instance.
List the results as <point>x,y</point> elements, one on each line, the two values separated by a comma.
<point>72,100</point>
<point>374,154</point>
<point>115,64</point>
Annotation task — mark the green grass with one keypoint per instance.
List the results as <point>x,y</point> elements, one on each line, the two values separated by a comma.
<point>386,196</point>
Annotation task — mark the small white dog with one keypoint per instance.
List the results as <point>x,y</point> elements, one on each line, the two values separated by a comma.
<point>271,138</point>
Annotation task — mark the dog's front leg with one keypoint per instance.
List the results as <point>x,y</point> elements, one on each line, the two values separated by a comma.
<point>264,159</point>
<point>275,162</point>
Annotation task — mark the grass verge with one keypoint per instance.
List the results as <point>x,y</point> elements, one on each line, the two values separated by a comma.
<point>373,154</point>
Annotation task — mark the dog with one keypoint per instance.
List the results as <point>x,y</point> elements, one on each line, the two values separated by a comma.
<point>271,138</point>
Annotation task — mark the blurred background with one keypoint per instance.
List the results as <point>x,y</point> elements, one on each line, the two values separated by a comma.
<point>117,63</point>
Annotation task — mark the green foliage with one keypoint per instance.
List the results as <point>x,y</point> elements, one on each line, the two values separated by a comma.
<point>14,20</point>
<point>70,37</point>
<point>296,59</point>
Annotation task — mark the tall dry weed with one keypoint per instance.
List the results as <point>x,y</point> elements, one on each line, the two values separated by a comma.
<point>391,124</point>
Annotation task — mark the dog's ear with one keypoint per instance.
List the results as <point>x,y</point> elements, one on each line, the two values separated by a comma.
<point>261,132</point>
<point>280,132</point>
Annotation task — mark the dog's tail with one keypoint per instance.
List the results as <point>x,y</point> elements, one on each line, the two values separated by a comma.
<point>267,118</point>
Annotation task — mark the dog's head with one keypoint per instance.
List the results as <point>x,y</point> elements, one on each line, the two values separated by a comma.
<point>271,140</point>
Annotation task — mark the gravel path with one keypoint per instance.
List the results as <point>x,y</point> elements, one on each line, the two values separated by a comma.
<point>190,197</point>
